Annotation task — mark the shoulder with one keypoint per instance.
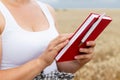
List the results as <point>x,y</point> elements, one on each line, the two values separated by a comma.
<point>52,10</point>
<point>2,23</point>
<point>49,7</point>
<point>53,13</point>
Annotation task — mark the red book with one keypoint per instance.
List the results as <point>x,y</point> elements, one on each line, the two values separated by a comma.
<point>88,31</point>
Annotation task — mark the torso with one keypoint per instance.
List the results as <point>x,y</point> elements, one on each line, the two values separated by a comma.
<point>26,35</point>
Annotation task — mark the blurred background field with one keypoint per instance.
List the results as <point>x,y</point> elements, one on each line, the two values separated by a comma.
<point>106,62</point>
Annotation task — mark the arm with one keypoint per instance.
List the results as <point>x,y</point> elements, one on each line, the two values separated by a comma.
<point>25,72</point>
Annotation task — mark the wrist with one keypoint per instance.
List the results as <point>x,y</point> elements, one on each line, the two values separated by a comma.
<point>41,63</point>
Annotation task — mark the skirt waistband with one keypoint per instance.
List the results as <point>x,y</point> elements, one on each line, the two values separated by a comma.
<point>55,75</point>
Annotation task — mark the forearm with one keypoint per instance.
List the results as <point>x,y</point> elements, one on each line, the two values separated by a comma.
<point>25,72</point>
<point>69,66</point>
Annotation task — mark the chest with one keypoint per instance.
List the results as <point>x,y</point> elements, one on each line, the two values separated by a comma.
<point>30,17</point>
<point>25,46</point>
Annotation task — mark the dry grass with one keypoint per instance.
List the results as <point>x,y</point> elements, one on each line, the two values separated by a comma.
<point>106,62</point>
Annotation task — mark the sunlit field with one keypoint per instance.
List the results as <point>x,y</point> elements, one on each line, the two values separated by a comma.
<point>106,63</point>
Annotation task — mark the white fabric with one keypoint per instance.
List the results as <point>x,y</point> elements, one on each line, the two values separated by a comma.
<point>20,46</point>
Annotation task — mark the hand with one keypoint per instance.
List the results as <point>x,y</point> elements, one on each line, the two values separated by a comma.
<point>54,47</point>
<point>84,58</point>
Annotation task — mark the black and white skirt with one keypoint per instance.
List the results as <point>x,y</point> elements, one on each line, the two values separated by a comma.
<point>56,75</point>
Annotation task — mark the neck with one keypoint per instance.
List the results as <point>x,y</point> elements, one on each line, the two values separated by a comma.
<point>20,1</point>
<point>17,2</point>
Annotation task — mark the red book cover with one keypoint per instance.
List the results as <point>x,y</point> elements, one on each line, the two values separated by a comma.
<point>89,30</point>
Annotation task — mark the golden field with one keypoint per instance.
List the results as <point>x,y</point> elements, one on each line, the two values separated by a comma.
<point>106,63</point>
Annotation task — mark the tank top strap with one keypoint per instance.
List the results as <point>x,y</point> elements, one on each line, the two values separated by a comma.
<point>5,12</point>
<point>9,20</point>
<point>47,13</point>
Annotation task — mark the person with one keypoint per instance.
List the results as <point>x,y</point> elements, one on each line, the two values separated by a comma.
<point>29,41</point>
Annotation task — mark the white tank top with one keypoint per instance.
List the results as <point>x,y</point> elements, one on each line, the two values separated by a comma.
<point>20,46</point>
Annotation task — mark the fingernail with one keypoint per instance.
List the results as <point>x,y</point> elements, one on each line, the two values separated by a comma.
<point>88,43</point>
<point>76,57</point>
<point>67,41</point>
<point>81,49</point>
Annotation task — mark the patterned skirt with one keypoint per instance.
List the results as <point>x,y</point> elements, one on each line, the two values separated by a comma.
<point>56,75</point>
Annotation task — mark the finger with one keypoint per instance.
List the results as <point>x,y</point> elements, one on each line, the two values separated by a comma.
<point>84,57</point>
<point>61,38</point>
<point>86,50</point>
<point>60,46</point>
<point>91,43</point>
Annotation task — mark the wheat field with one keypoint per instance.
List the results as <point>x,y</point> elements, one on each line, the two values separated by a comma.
<point>106,63</point>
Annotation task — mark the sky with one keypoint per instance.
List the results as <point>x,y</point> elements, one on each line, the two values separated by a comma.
<point>63,4</point>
